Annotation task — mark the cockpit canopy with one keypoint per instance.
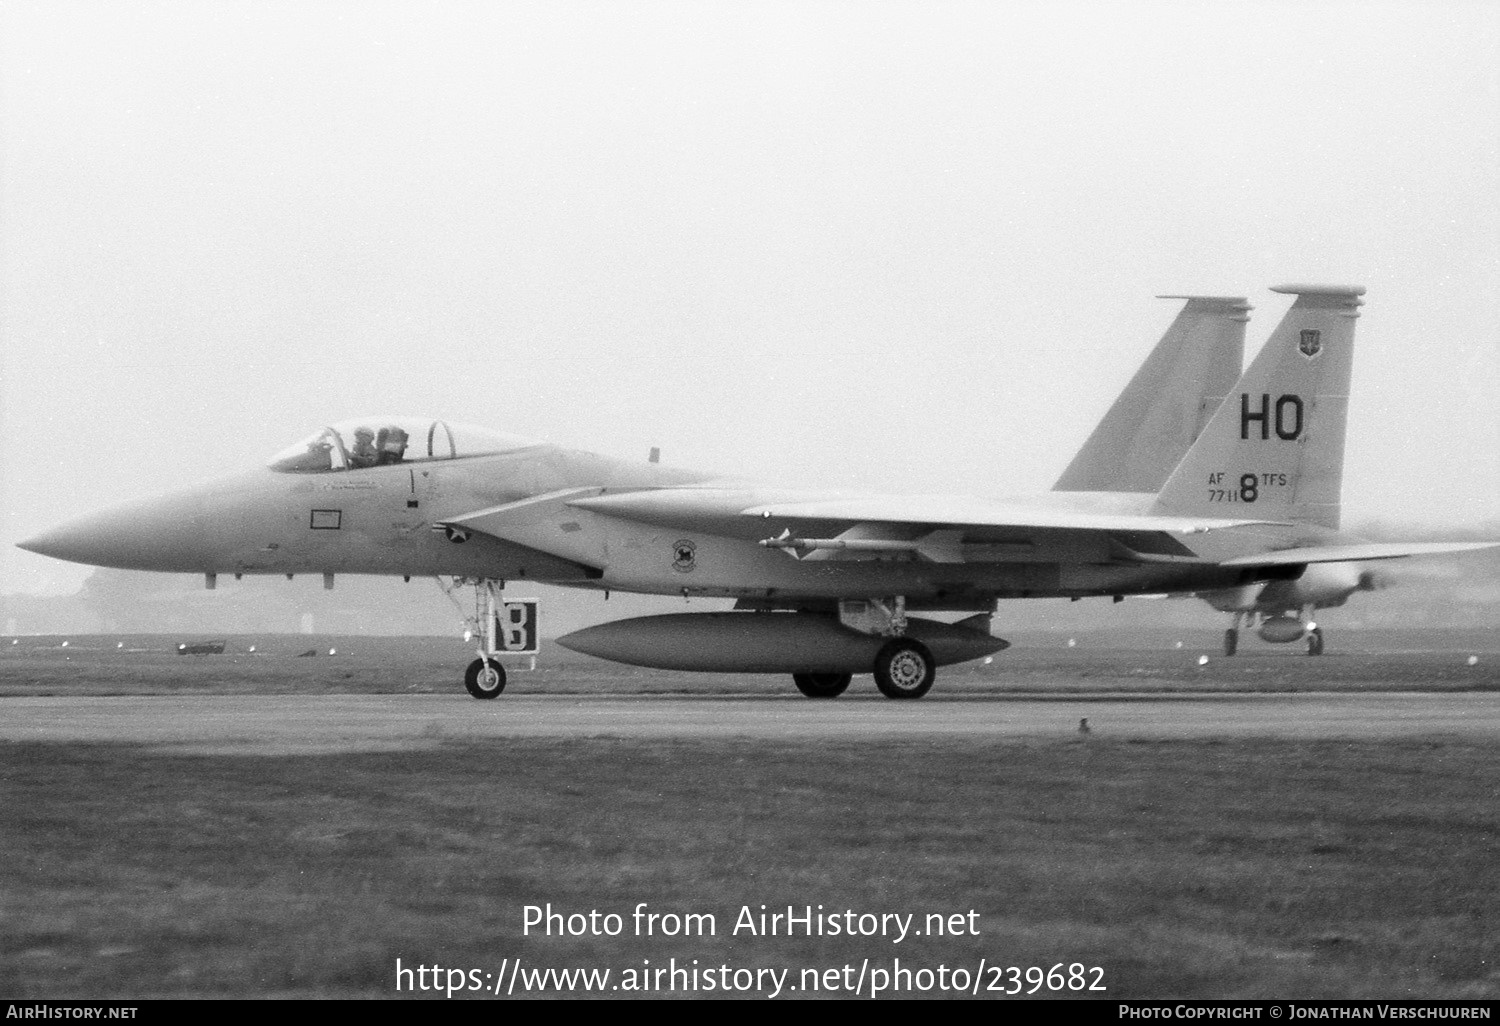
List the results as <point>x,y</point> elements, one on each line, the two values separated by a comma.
<point>383,441</point>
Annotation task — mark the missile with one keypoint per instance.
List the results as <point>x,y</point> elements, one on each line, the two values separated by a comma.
<point>748,642</point>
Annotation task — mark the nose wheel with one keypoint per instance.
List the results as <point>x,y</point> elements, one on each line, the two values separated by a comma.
<point>485,678</point>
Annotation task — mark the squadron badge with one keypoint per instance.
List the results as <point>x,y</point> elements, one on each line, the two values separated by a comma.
<point>684,556</point>
<point>1312,342</point>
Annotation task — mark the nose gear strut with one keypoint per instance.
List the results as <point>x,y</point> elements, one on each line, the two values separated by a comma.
<point>485,677</point>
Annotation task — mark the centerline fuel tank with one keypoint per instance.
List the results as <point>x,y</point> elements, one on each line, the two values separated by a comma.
<point>750,642</point>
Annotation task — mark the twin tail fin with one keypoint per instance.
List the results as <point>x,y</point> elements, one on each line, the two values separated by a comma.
<point>1275,447</point>
<point>1167,403</point>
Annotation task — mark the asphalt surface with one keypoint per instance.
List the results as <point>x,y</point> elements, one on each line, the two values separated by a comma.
<point>286,724</point>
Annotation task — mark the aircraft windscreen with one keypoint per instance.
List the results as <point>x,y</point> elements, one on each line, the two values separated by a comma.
<point>385,441</point>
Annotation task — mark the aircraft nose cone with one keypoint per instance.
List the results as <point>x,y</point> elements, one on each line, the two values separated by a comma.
<point>49,543</point>
<point>164,533</point>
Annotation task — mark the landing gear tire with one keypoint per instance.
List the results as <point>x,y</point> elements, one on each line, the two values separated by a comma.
<point>485,678</point>
<point>822,685</point>
<point>1231,641</point>
<point>1315,641</point>
<point>904,669</point>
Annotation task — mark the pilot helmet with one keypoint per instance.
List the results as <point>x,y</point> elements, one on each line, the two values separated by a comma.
<point>363,432</point>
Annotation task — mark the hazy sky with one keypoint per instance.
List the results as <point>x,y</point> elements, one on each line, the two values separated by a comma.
<point>899,246</point>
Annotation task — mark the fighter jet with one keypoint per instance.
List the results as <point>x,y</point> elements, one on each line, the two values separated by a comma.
<point>1150,428</point>
<point>825,582</point>
<point>1285,610</point>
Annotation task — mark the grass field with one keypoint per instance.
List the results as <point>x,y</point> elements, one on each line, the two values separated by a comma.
<point>1228,868</point>
<point>1183,869</point>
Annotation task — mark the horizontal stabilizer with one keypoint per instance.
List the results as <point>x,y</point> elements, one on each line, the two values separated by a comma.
<point>1355,553</point>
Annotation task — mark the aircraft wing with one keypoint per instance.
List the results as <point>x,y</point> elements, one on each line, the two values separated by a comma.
<point>730,509</point>
<point>1354,553</point>
<point>948,529</point>
<point>962,512</point>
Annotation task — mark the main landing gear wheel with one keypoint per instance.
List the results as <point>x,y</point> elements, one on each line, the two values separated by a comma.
<point>485,678</point>
<point>1315,641</point>
<point>904,669</point>
<point>1231,641</point>
<point>822,685</point>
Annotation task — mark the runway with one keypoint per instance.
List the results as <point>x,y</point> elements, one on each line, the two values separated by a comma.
<point>307,724</point>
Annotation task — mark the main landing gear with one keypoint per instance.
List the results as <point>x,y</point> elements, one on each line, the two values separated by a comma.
<point>1277,629</point>
<point>1314,632</point>
<point>903,667</point>
<point>822,685</point>
<point>1315,641</point>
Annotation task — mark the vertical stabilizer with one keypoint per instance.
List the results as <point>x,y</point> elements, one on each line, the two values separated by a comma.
<point>1275,448</point>
<point>1167,403</point>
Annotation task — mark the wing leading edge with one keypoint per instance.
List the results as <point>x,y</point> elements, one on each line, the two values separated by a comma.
<point>961,512</point>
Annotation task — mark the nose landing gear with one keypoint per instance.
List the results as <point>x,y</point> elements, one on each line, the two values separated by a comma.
<point>501,628</point>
